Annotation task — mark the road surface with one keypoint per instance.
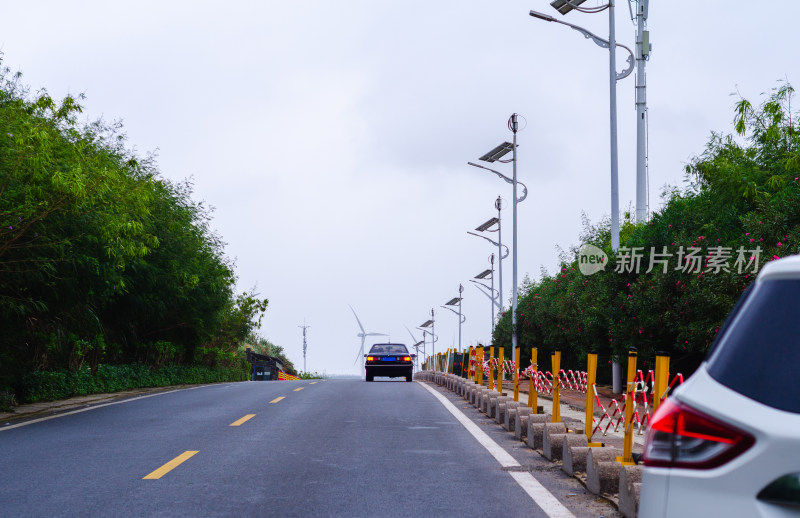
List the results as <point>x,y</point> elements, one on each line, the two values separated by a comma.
<point>294,448</point>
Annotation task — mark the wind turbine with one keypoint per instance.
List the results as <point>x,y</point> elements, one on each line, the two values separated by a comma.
<point>363,335</point>
<point>416,345</point>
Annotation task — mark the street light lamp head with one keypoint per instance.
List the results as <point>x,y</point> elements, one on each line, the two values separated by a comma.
<point>565,6</point>
<point>498,152</point>
<point>542,16</point>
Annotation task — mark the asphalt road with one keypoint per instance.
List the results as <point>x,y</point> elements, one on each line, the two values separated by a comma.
<point>326,448</point>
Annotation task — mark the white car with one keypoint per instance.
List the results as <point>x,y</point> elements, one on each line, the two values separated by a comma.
<point>727,442</point>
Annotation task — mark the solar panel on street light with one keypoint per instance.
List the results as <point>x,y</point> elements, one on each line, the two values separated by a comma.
<point>498,152</point>
<point>484,274</point>
<point>486,226</point>
<point>453,302</point>
<point>427,323</point>
<point>565,6</point>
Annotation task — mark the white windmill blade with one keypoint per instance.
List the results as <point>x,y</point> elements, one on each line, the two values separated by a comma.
<point>375,334</point>
<point>413,338</point>
<point>357,320</point>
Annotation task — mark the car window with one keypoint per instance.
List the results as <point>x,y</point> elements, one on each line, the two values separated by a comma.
<point>389,349</point>
<point>760,349</point>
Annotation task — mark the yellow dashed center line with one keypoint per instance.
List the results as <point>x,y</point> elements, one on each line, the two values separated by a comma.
<point>239,422</point>
<point>169,466</point>
<point>277,399</point>
<point>298,389</point>
<point>313,383</point>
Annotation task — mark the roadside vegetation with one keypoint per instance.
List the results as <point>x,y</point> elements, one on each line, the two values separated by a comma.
<point>110,275</point>
<point>743,192</point>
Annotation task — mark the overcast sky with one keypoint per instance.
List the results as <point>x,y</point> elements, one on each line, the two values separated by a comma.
<point>332,137</point>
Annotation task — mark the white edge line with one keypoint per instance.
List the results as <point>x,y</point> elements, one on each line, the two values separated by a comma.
<point>535,490</point>
<point>86,409</point>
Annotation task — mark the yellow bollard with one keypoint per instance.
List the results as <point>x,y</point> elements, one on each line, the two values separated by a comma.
<point>556,361</point>
<point>661,378</point>
<point>516,374</point>
<point>591,377</point>
<point>533,396</point>
<point>491,368</point>
<point>500,371</point>
<point>627,445</point>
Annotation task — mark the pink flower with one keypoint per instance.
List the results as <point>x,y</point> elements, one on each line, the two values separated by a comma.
<point>775,257</point>
<point>751,239</point>
<point>747,233</point>
<point>780,244</point>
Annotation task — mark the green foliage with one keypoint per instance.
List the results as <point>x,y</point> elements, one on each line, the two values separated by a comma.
<point>744,193</point>
<point>103,261</point>
<point>310,375</point>
<point>53,385</point>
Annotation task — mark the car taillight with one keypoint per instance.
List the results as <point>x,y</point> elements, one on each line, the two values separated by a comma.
<point>370,358</point>
<point>682,437</point>
<point>406,358</point>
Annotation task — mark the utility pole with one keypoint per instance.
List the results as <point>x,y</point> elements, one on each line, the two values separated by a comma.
<point>642,54</point>
<point>305,345</point>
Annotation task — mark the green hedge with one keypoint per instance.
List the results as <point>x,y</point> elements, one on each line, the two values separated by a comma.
<point>52,385</point>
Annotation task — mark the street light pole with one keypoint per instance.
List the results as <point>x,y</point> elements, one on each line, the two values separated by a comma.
<point>498,204</point>
<point>612,67</point>
<point>514,126</point>
<point>564,6</point>
<point>460,291</point>
<point>492,294</point>
<point>461,318</point>
<point>433,335</point>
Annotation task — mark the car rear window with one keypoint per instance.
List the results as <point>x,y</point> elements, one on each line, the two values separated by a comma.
<point>389,348</point>
<point>758,355</point>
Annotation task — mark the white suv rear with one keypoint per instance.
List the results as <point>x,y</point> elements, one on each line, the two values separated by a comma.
<point>727,442</point>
